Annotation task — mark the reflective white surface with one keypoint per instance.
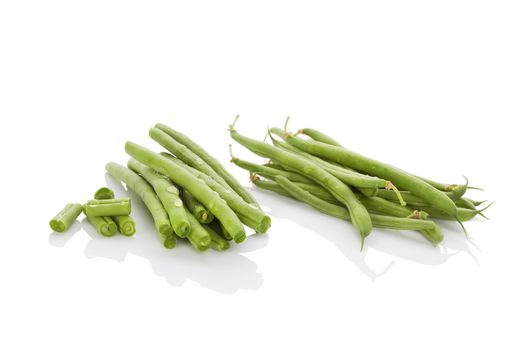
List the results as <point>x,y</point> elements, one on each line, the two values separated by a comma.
<point>434,89</point>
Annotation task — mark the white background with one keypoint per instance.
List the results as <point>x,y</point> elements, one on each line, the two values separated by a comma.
<point>434,87</point>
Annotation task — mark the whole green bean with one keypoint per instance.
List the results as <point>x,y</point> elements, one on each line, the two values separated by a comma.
<point>339,190</point>
<point>148,196</point>
<point>211,161</point>
<point>198,210</point>
<point>429,229</point>
<point>67,216</point>
<point>369,166</point>
<point>168,195</point>
<point>202,192</point>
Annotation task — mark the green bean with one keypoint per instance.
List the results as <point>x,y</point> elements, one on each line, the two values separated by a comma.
<point>456,191</point>
<point>394,209</point>
<point>318,136</point>
<point>369,166</point>
<point>198,210</point>
<point>67,216</point>
<point>169,197</point>
<point>104,193</point>
<point>198,236</point>
<point>249,214</point>
<point>316,190</point>
<point>217,241</point>
<point>108,207</point>
<point>150,199</point>
<point>339,190</point>
<point>269,171</point>
<point>103,224</point>
<point>464,214</point>
<point>415,201</point>
<point>202,192</point>
<point>211,161</point>
<point>186,155</point>
<point>429,229</point>
<point>125,223</point>
<point>464,203</point>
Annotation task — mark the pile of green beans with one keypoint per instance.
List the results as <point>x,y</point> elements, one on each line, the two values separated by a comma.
<point>319,171</point>
<point>189,194</point>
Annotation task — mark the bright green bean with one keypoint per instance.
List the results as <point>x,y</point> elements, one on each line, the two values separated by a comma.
<point>372,167</point>
<point>429,229</point>
<point>211,161</point>
<point>339,190</point>
<point>198,210</point>
<point>168,195</point>
<point>63,220</point>
<point>150,199</point>
<point>202,192</point>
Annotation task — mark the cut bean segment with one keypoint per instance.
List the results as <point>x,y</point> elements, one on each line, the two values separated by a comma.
<point>66,217</point>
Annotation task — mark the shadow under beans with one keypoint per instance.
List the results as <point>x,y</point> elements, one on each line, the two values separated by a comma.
<point>225,272</point>
<point>406,245</point>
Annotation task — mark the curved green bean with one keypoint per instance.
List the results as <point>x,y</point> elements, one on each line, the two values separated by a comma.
<point>202,192</point>
<point>168,195</point>
<point>211,161</point>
